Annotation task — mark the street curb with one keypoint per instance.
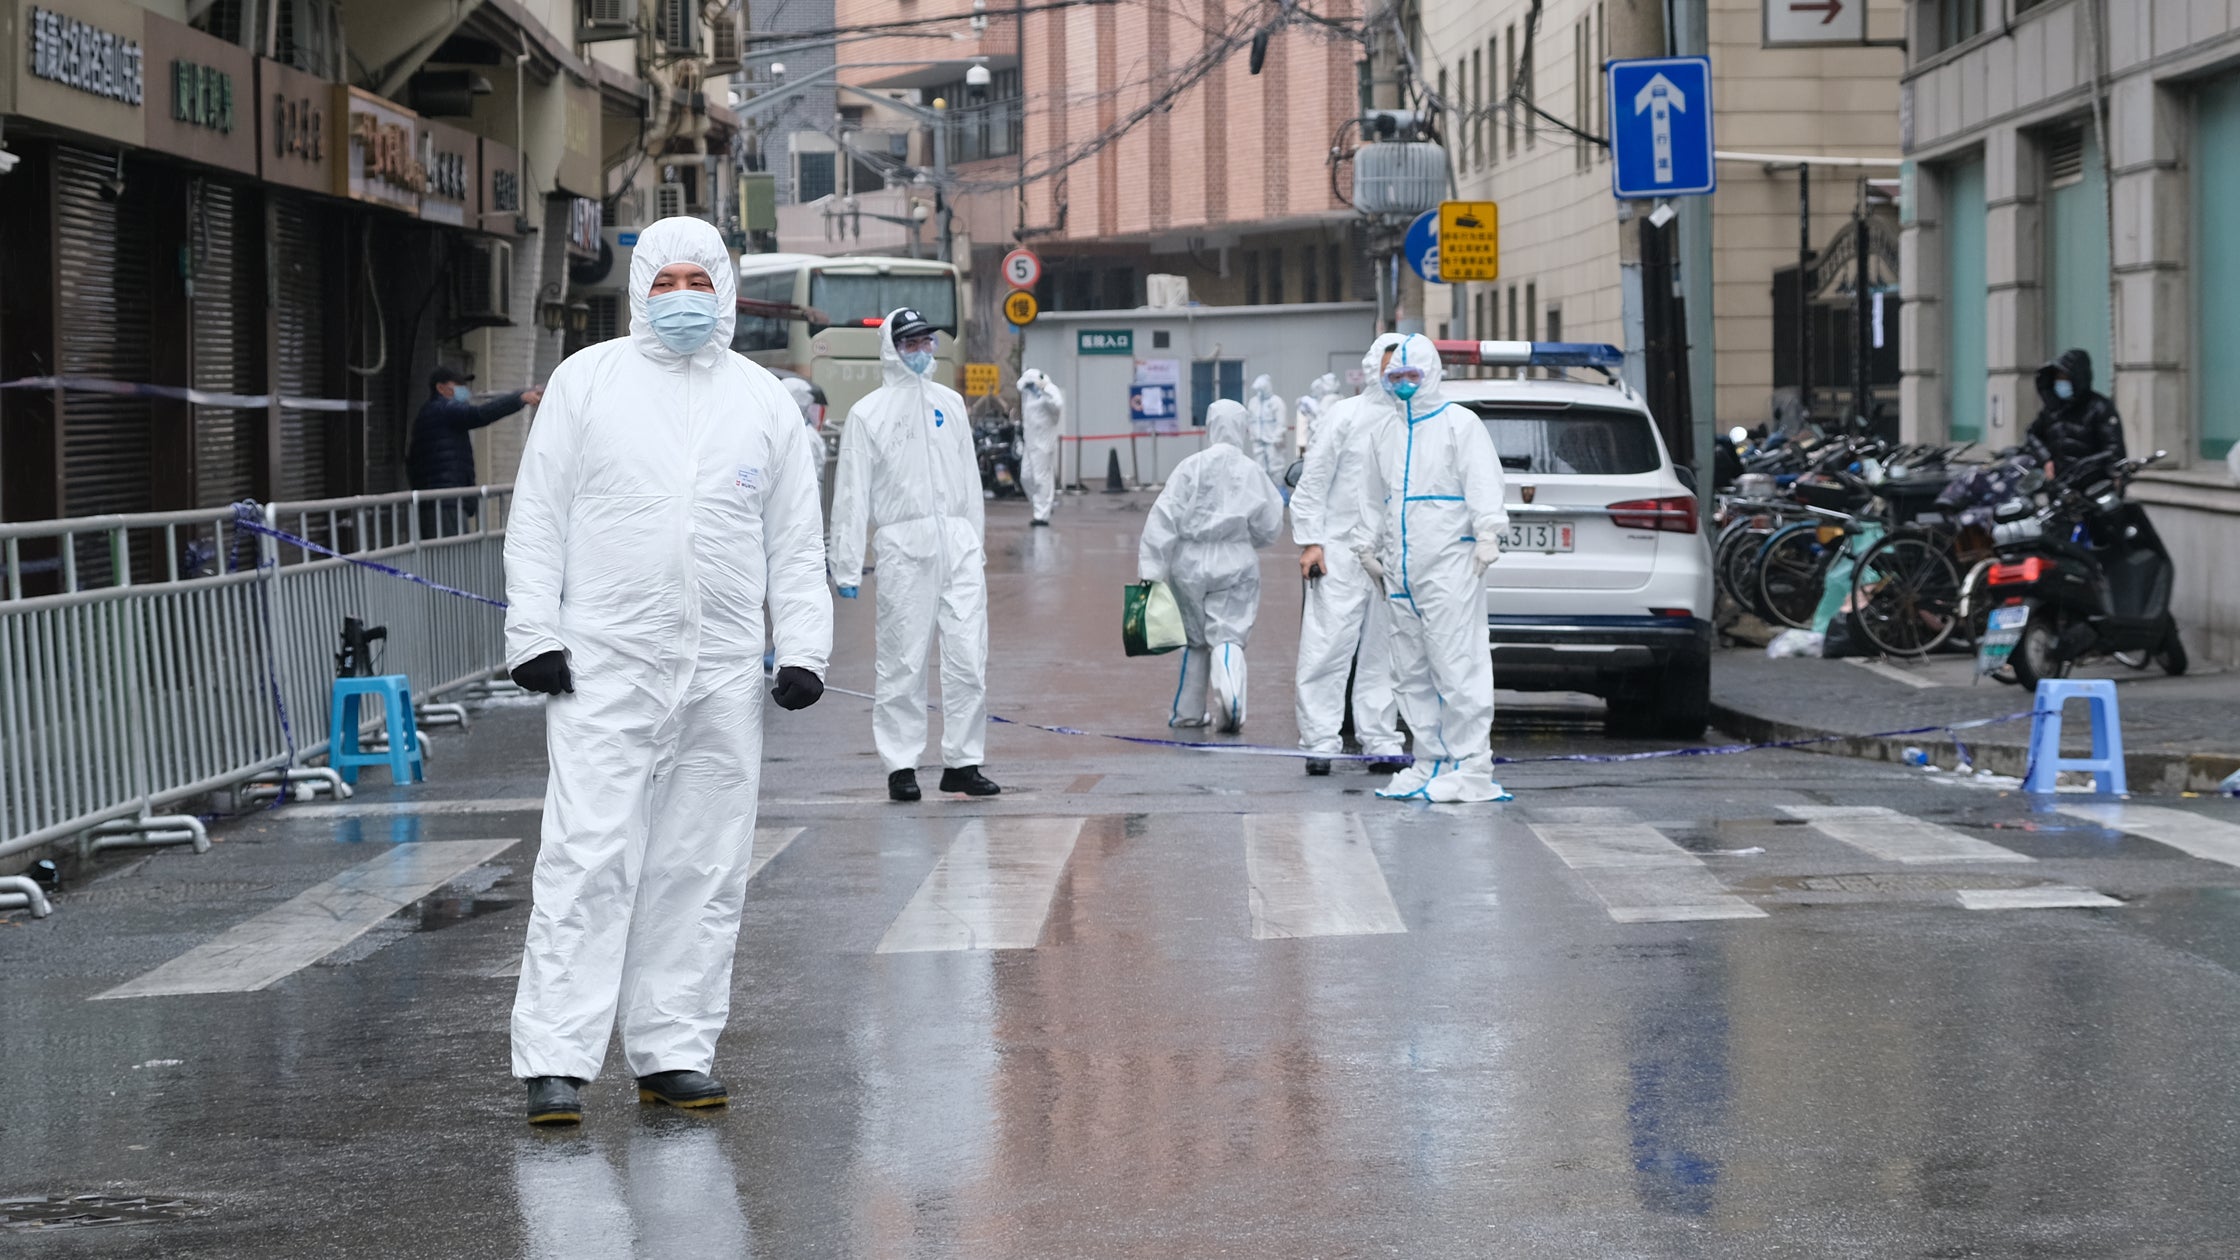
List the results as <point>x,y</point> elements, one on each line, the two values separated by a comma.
<point>2148,771</point>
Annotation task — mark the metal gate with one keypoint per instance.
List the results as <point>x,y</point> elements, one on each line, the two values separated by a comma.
<point>298,254</point>
<point>228,329</point>
<point>101,330</point>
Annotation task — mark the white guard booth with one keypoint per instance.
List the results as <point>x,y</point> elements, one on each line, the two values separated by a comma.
<point>1103,359</point>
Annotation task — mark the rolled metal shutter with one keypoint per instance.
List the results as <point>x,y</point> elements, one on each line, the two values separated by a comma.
<point>299,364</point>
<point>101,330</point>
<point>228,441</point>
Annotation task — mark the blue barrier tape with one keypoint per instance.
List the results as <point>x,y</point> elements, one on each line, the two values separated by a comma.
<point>245,516</point>
<point>1261,750</point>
<point>199,397</point>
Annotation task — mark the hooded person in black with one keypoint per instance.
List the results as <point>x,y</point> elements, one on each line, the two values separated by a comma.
<point>2073,422</point>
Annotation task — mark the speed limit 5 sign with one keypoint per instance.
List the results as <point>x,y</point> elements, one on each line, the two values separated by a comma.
<point>1021,269</point>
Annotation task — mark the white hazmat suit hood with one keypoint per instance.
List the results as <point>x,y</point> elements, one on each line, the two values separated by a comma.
<point>1436,490</point>
<point>666,503</point>
<point>1202,537</point>
<point>908,470</point>
<point>1042,408</point>
<point>1344,623</point>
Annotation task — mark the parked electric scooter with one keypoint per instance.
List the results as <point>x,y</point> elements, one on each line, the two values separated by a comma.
<point>2080,574</point>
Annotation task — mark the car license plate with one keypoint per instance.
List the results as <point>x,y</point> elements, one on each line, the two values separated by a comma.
<point>2001,633</point>
<point>1546,536</point>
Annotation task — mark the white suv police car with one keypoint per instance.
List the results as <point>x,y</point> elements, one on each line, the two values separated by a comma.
<point>1604,584</point>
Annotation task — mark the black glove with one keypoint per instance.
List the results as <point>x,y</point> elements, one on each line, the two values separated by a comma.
<point>797,687</point>
<point>547,673</point>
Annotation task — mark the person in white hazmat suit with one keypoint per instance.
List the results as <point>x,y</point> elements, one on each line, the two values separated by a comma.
<point>667,500</point>
<point>1344,624</point>
<point>908,469</point>
<point>1217,510</point>
<point>1043,409</point>
<point>1270,426</point>
<point>1432,522</point>
<point>1313,405</point>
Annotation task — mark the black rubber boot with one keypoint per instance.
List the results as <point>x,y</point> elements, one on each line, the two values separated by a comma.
<point>1390,765</point>
<point>683,1088</point>
<point>554,1100</point>
<point>968,780</point>
<point>902,785</point>
<point>1317,768</point>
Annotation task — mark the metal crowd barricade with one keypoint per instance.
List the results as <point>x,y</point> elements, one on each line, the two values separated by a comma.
<point>146,660</point>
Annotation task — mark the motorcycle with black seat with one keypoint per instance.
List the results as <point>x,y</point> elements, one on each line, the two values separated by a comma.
<point>2080,572</point>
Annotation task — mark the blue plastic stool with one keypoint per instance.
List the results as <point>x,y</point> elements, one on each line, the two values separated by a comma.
<point>403,757</point>
<point>2106,761</point>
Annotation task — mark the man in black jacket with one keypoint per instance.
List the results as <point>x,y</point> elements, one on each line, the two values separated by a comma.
<point>2073,423</point>
<point>442,452</point>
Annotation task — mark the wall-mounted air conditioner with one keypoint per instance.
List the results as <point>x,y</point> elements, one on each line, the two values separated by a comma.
<point>598,20</point>
<point>483,284</point>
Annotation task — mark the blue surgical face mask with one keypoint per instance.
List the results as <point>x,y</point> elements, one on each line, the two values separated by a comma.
<point>684,319</point>
<point>2064,390</point>
<point>1405,390</point>
<point>919,361</point>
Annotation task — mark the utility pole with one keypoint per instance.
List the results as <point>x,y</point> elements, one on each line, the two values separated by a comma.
<point>1380,89</point>
<point>1690,36</point>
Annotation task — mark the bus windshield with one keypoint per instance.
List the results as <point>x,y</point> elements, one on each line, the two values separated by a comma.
<point>860,299</point>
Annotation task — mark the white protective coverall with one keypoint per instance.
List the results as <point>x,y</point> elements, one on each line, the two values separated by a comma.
<point>1435,491</point>
<point>1042,409</point>
<point>1217,510</point>
<point>1313,405</point>
<point>664,502</point>
<point>908,470</point>
<point>1345,615</point>
<point>1270,426</point>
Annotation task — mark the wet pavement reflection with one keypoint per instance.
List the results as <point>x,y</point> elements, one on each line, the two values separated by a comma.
<point>1518,1063</point>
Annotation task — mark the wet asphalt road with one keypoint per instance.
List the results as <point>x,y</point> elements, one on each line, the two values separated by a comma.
<point>1498,1066</point>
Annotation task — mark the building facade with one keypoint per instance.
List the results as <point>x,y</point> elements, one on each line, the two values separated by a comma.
<point>1522,96</point>
<point>235,242</point>
<point>2071,165</point>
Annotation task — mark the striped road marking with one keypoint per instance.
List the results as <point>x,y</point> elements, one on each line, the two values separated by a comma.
<point>2046,897</point>
<point>769,842</point>
<point>991,890</point>
<point>1639,874</point>
<point>1314,875</point>
<point>2206,838</point>
<point>1895,837</point>
<point>306,928</point>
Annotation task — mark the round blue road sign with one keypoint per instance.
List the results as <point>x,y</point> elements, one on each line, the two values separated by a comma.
<point>1422,245</point>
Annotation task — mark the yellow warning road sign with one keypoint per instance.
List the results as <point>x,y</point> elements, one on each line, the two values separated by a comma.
<point>980,379</point>
<point>1469,241</point>
<point>1021,308</point>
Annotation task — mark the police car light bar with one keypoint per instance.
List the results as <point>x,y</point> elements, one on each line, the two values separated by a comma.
<point>1547,354</point>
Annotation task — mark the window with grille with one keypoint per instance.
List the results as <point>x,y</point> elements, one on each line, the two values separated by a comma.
<point>2065,157</point>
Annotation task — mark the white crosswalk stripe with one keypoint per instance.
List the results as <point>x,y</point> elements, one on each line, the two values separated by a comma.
<point>313,924</point>
<point>2210,839</point>
<point>2043,897</point>
<point>769,842</point>
<point>1896,837</point>
<point>1314,875</point>
<point>991,890</point>
<point>1636,871</point>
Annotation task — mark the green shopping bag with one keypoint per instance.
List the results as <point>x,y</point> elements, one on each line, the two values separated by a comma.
<point>1150,622</point>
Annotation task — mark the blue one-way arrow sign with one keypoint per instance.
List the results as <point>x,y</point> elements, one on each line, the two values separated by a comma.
<point>1660,133</point>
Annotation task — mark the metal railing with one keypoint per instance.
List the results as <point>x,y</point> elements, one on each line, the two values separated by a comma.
<point>149,659</point>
